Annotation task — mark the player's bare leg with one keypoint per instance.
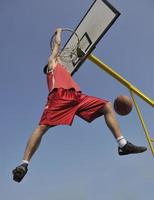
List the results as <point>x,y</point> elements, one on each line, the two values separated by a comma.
<point>34,141</point>
<point>125,147</point>
<point>111,120</point>
<point>32,145</point>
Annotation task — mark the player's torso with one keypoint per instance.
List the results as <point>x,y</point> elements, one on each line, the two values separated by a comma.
<point>59,77</point>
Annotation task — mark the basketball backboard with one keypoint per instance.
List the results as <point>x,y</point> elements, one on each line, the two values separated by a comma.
<point>96,22</point>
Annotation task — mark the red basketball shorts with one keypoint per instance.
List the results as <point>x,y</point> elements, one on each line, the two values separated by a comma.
<point>64,104</point>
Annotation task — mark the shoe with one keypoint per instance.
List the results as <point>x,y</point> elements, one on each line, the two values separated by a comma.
<point>130,148</point>
<point>19,172</point>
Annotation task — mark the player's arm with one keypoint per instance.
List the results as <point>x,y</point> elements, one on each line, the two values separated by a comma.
<point>55,51</point>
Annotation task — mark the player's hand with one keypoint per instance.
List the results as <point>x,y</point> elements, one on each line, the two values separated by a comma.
<point>58,30</point>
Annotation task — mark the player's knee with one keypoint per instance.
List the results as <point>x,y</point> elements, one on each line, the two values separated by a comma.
<point>108,107</point>
<point>43,129</point>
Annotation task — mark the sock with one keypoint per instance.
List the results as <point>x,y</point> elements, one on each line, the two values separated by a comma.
<point>121,141</point>
<point>25,162</point>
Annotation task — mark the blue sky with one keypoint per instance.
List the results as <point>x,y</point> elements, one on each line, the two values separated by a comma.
<point>81,161</point>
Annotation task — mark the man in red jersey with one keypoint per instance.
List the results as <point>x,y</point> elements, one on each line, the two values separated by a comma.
<point>65,100</point>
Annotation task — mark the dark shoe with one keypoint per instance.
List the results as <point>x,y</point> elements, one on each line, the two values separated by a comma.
<point>19,172</point>
<point>131,149</point>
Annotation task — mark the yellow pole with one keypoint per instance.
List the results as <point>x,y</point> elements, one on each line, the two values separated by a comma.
<point>117,76</point>
<point>143,123</point>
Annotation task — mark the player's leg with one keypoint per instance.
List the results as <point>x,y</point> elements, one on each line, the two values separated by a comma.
<point>125,147</point>
<point>34,141</point>
<point>32,145</point>
<point>111,120</point>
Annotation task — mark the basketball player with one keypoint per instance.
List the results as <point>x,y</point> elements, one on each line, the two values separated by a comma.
<point>65,100</point>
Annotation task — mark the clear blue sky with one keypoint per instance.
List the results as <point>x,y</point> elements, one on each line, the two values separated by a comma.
<point>78,162</point>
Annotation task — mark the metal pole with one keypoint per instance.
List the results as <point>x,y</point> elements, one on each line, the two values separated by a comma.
<point>117,76</point>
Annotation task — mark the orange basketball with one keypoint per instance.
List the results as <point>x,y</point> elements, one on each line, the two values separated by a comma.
<point>123,105</point>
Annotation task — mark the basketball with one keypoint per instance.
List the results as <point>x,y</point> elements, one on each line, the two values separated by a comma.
<point>123,105</point>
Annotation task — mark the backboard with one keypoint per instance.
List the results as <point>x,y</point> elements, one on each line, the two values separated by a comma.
<point>96,22</point>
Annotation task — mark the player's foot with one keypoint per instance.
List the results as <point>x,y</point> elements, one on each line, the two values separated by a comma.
<point>130,148</point>
<point>19,172</point>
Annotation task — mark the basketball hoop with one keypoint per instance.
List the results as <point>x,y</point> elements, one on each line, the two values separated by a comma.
<point>71,53</point>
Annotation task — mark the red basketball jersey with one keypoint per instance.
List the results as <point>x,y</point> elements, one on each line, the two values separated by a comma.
<point>61,78</point>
